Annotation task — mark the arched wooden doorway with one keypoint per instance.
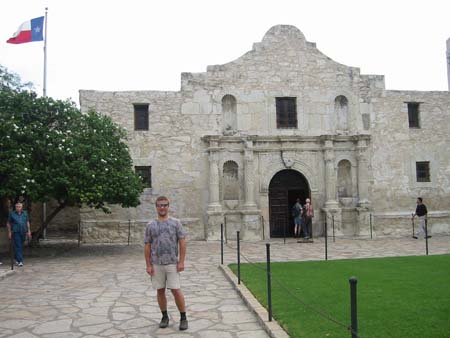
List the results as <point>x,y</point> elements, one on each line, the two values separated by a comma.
<point>284,188</point>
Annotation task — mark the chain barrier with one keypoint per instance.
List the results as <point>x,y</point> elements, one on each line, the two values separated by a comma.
<point>339,223</point>
<point>307,306</point>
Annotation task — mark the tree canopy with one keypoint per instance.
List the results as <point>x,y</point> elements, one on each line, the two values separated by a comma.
<point>49,149</point>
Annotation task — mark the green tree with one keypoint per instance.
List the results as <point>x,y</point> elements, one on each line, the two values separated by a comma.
<point>11,80</point>
<point>49,150</point>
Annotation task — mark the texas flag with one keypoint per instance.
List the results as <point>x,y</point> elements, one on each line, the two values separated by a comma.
<point>29,31</point>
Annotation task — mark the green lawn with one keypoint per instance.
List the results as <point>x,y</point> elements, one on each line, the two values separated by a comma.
<point>397,296</point>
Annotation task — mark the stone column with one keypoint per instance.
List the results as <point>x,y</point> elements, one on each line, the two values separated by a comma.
<point>214,204</point>
<point>249,177</point>
<point>363,190</point>
<point>251,219</point>
<point>214,212</point>
<point>330,175</point>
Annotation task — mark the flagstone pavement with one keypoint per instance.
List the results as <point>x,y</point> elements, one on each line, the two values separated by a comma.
<point>103,290</point>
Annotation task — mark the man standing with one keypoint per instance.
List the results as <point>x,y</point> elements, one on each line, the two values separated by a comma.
<point>421,212</point>
<point>296,213</point>
<point>307,214</point>
<point>18,229</point>
<point>165,251</point>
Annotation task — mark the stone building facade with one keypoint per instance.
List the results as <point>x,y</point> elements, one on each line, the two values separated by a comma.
<point>240,142</point>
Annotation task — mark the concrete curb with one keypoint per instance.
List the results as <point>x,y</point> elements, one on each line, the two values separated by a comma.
<point>6,273</point>
<point>272,328</point>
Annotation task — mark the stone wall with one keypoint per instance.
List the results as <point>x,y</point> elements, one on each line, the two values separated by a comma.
<point>228,113</point>
<point>396,148</point>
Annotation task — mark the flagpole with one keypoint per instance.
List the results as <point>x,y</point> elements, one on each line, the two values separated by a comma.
<point>45,53</point>
<point>44,93</point>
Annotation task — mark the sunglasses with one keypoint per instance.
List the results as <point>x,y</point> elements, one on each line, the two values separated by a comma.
<point>162,205</point>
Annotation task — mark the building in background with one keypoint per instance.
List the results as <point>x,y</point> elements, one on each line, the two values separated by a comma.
<point>240,142</point>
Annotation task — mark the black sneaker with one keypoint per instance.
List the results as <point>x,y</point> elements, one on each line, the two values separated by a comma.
<point>428,236</point>
<point>164,322</point>
<point>183,324</point>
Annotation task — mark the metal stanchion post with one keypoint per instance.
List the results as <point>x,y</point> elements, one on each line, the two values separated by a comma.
<point>326,240</point>
<point>370,223</point>
<point>269,283</point>
<point>221,243</point>
<point>353,308</point>
<point>238,257</point>
<point>426,235</point>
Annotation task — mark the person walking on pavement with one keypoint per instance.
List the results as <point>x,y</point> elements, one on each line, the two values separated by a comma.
<point>421,213</point>
<point>296,213</point>
<point>165,251</point>
<point>307,214</point>
<point>18,229</point>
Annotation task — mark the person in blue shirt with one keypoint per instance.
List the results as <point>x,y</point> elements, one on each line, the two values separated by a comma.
<point>18,229</point>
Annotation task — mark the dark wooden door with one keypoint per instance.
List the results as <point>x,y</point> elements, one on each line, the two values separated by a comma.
<point>279,220</point>
<point>285,187</point>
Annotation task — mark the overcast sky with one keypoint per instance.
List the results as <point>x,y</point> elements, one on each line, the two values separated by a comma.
<point>146,44</point>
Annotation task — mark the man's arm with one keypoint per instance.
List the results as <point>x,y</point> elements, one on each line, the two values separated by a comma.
<point>182,244</point>
<point>148,261</point>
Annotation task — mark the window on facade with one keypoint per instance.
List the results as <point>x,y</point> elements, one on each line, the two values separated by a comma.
<point>140,116</point>
<point>423,171</point>
<point>286,112</point>
<point>413,114</point>
<point>145,172</point>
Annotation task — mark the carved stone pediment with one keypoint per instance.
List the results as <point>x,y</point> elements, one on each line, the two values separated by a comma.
<point>288,158</point>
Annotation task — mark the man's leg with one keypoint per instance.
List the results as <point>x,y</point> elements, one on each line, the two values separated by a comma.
<point>162,302</point>
<point>162,299</point>
<point>179,301</point>
<point>18,244</point>
<point>421,227</point>
<point>305,228</point>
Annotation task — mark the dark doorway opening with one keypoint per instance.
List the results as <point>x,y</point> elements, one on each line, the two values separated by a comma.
<point>284,188</point>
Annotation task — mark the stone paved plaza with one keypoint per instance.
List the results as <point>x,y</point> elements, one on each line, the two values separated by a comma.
<point>103,290</point>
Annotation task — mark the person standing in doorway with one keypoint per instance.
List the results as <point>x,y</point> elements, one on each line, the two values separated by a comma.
<point>307,215</point>
<point>18,230</point>
<point>421,213</point>
<point>165,251</point>
<point>297,214</point>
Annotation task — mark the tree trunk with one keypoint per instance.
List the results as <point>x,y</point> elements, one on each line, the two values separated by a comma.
<point>37,234</point>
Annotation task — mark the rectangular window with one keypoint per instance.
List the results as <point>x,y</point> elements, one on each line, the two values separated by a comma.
<point>140,116</point>
<point>286,112</point>
<point>145,172</point>
<point>423,171</point>
<point>413,114</point>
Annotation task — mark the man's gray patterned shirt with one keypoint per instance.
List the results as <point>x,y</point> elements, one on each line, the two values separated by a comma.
<point>163,237</point>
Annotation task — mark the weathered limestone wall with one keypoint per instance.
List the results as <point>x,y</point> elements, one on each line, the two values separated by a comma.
<point>193,133</point>
<point>395,150</point>
<point>283,64</point>
<point>171,147</point>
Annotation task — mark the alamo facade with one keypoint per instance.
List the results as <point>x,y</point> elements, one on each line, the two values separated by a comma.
<point>240,142</point>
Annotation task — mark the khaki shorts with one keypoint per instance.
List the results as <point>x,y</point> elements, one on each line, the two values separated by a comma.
<point>166,276</point>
